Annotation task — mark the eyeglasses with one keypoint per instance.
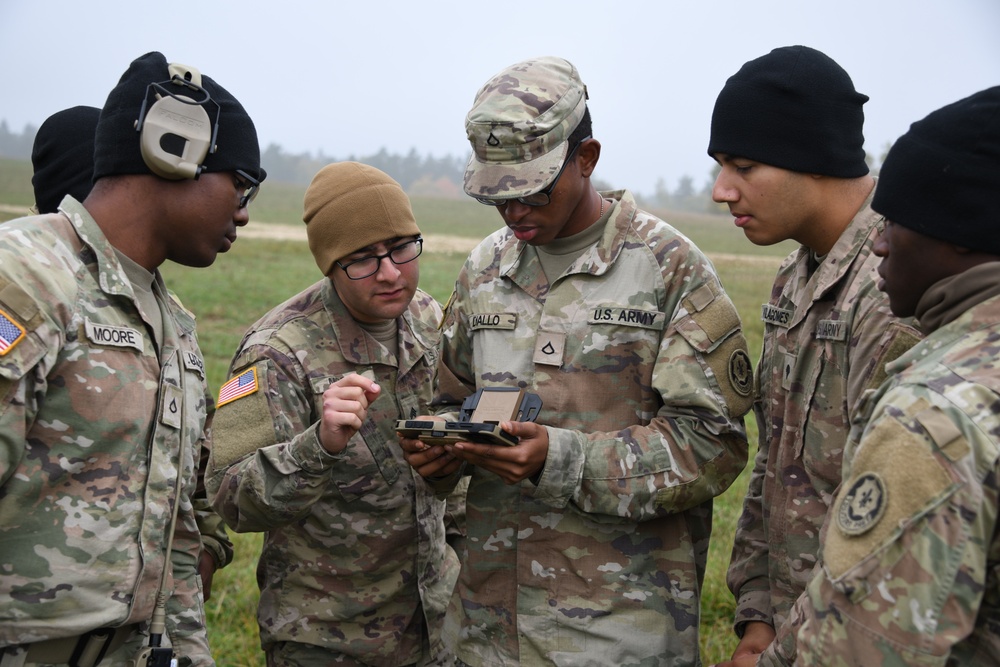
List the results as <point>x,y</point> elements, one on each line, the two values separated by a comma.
<point>249,185</point>
<point>368,266</point>
<point>540,198</point>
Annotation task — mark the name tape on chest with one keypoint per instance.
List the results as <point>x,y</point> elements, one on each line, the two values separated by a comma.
<point>777,316</point>
<point>629,317</point>
<point>114,335</point>
<point>831,330</point>
<point>193,362</point>
<point>502,321</point>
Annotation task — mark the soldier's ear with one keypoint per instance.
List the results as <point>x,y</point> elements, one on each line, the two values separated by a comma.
<point>587,156</point>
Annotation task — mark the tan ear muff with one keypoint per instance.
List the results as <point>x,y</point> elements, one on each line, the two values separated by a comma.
<point>176,134</point>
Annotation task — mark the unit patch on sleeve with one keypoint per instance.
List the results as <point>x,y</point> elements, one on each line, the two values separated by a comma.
<point>863,505</point>
<point>242,385</point>
<point>11,333</point>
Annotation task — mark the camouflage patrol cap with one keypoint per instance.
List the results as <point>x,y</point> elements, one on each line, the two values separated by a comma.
<point>519,125</point>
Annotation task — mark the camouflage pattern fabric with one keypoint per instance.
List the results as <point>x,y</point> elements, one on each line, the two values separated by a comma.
<point>354,558</point>
<point>911,551</point>
<point>94,419</point>
<point>828,333</point>
<point>214,537</point>
<point>640,361</point>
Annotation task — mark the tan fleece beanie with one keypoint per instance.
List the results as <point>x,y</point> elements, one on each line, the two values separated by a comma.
<point>349,206</point>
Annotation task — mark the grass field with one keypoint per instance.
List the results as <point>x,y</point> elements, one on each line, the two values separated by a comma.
<point>258,274</point>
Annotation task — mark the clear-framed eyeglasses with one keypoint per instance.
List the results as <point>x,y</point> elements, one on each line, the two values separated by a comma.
<point>249,187</point>
<point>407,251</point>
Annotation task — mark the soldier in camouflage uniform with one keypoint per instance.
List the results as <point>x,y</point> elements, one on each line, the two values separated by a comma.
<point>910,570</point>
<point>62,160</point>
<point>355,569</point>
<point>787,134</point>
<point>587,540</point>
<point>104,399</point>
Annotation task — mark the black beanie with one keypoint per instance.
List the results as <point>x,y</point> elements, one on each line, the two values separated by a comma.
<point>942,177</point>
<point>117,148</point>
<point>63,157</point>
<point>796,109</point>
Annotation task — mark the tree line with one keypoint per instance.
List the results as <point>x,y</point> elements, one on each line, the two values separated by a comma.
<point>419,175</point>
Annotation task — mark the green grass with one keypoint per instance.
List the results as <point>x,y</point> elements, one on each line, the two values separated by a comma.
<point>257,275</point>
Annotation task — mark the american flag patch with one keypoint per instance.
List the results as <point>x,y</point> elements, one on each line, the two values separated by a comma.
<point>11,333</point>
<point>242,385</point>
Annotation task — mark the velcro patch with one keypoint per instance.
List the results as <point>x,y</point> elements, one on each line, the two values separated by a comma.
<point>907,471</point>
<point>11,333</point>
<point>629,317</point>
<point>242,385</point>
<point>505,321</point>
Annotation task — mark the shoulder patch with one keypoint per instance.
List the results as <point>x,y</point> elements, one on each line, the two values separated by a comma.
<point>242,385</point>
<point>894,462</point>
<point>862,505</point>
<point>11,333</point>
<point>741,372</point>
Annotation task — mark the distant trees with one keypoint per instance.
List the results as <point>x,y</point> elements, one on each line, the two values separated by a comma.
<point>426,175</point>
<point>16,146</point>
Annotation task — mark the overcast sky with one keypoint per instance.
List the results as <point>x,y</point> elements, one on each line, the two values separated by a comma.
<point>350,78</point>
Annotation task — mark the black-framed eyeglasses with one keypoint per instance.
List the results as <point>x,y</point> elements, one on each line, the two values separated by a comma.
<point>407,251</point>
<point>540,198</point>
<point>248,185</point>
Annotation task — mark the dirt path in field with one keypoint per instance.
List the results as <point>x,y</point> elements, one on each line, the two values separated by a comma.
<point>434,242</point>
<point>447,242</point>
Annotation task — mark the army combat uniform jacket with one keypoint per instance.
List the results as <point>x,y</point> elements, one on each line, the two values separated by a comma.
<point>640,361</point>
<point>911,557</point>
<point>354,557</point>
<point>94,420</point>
<point>828,333</point>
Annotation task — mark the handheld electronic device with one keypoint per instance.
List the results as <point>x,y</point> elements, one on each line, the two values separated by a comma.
<point>479,418</point>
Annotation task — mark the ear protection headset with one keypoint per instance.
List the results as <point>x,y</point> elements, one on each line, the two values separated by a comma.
<point>175,134</point>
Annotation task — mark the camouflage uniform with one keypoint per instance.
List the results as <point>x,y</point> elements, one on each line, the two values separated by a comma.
<point>354,559</point>
<point>641,364</point>
<point>828,333</point>
<point>911,555</point>
<point>94,418</point>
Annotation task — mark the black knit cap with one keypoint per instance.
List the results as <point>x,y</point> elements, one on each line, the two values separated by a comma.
<point>794,108</point>
<point>942,177</point>
<point>63,157</point>
<point>117,149</point>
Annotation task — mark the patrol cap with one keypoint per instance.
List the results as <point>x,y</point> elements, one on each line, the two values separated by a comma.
<point>349,206</point>
<point>118,150</point>
<point>942,177</point>
<point>62,157</point>
<point>519,127</point>
<point>794,108</point>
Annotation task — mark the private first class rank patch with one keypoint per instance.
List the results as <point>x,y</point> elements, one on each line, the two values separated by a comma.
<point>242,385</point>
<point>11,333</point>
